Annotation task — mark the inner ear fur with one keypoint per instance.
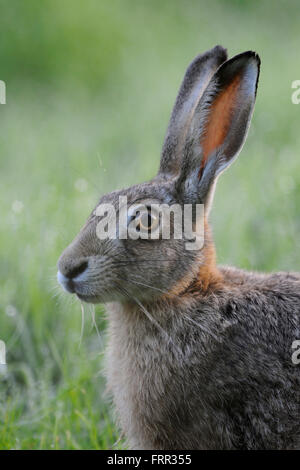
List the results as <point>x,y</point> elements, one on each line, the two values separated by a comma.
<point>219,120</point>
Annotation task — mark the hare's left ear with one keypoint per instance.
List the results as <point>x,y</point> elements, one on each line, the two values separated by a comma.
<point>218,127</point>
<point>195,81</point>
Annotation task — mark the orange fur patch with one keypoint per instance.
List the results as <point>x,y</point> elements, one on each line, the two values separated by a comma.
<point>204,274</point>
<point>219,120</point>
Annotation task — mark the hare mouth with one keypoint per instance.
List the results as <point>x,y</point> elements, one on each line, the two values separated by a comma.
<point>98,299</point>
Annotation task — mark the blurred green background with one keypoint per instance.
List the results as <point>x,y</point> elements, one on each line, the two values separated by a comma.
<point>90,86</point>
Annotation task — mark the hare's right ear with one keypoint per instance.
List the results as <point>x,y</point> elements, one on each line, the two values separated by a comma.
<point>218,127</point>
<point>196,79</point>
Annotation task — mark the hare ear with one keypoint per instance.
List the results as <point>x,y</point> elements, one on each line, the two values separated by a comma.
<point>193,85</point>
<point>219,127</point>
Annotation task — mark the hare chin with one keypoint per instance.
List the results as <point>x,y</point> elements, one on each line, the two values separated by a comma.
<point>98,298</point>
<point>90,299</point>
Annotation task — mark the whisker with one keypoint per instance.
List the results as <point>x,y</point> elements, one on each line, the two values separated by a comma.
<point>151,287</point>
<point>202,327</point>
<point>82,323</point>
<point>136,261</point>
<point>146,285</point>
<point>94,324</point>
<point>158,326</point>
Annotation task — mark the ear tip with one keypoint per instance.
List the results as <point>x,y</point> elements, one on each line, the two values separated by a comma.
<point>248,60</point>
<point>247,57</point>
<point>217,55</point>
<point>220,52</point>
<point>211,59</point>
<point>254,56</point>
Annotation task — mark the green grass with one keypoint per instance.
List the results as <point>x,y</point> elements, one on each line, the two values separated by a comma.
<point>89,92</point>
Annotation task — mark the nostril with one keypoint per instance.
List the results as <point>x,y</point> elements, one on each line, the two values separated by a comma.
<point>76,270</point>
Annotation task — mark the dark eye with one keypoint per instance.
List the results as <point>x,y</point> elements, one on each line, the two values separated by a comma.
<point>144,221</point>
<point>147,221</point>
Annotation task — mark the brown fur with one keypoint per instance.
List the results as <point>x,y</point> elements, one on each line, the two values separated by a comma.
<point>204,276</point>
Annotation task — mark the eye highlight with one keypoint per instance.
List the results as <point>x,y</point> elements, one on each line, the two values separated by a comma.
<point>147,220</point>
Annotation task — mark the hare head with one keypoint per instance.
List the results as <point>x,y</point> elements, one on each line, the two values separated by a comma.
<point>207,129</point>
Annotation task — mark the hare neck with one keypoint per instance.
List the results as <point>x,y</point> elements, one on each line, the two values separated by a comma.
<point>204,275</point>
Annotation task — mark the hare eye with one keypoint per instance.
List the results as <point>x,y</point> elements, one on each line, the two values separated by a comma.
<point>147,221</point>
<point>144,221</point>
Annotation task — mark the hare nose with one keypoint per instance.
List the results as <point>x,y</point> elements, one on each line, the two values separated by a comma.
<point>77,269</point>
<point>71,269</point>
<point>68,271</point>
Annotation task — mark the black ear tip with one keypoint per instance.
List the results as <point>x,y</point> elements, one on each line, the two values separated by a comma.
<point>246,61</point>
<point>253,55</point>
<point>246,57</point>
<point>238,63</point>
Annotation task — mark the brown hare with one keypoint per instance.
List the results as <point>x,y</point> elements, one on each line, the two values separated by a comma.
<point>198,356</point>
